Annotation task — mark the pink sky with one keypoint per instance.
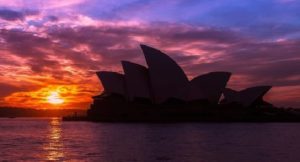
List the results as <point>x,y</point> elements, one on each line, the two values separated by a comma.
<point>50,46</point>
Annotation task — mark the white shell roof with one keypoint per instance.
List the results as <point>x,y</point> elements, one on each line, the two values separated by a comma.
<point>208,86</point>
<point>112,82</point>
<point>167,79</point>
<point>247,96</point>
<point>136,80</point>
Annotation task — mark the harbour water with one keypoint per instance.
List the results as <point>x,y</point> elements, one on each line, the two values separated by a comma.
<point>46,139</point>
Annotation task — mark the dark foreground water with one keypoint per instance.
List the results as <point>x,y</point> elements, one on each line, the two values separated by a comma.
<point>51,139</point>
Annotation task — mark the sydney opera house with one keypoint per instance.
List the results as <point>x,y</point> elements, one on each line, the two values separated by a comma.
<point>162,91</point>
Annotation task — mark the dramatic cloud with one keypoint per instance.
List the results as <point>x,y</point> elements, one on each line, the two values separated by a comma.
<point>11,15</point>
<point>59,47</point>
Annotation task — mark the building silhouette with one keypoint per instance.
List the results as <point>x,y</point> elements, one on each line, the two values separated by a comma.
<point>162,91</point>
<point>247,97</point>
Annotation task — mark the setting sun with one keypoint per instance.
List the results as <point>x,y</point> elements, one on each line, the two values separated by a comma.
<point>54,98</point>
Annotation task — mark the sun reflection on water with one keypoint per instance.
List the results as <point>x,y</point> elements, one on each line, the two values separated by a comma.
<point>54,146</point>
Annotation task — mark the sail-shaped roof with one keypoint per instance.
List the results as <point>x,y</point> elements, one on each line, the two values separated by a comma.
<point>208,86</point>
<point>136,80</point>
<point>112,82</point>
<point>247,96</point>
<point>167,79</point>
<point>230,95</point>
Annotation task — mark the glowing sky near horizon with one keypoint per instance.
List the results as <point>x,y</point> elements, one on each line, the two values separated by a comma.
<point>56,46</point>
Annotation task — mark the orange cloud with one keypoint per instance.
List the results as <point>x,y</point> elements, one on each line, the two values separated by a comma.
<point>73,96</point>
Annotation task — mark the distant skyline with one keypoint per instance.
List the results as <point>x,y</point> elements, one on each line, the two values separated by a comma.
<point>50,50</point>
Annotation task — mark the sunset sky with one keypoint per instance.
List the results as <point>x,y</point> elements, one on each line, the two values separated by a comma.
<point>50,50</point>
